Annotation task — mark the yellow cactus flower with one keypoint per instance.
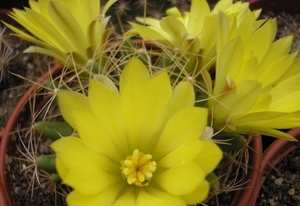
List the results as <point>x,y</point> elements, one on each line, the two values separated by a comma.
<point>137,146</point>
<point>61,28</point>
<point>194,33</point>
<point>256,87</point>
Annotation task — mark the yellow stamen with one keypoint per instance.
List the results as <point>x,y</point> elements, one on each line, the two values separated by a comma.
<point>138,168</point>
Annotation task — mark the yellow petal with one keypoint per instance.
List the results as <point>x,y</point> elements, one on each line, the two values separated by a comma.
<point>209,157</point>
<point>183,96</point>
<point>93,8</point>
<point>275,70</point>
<point>151,115</point>
<point>75,109</point>
<point>174,28</point>
<point>223,31</point>
<point>262,38</point>
<point>238,100</point>
<point>196,18</point>
<point>152,33</point>
<point>198,195</point>
<point>107,197</point>
<point>128,196</point>
<point>96,34</point>
<point>266,131</point>
<point>50,52</point>
<point>185,124</point>
<point>270,119</point>
<point>181,179</point>
<point>104,80</point>
<point>168,198</point>
<point>70,102</point>
<point>149,21</point>
<point>89,172</point>
<point>277,49</point>
<point>143,103</point>
<point>106,105</point>
<point>174,12</point>
<point>228,64</point>
<point>107,6</point>
<point>145,198</point>
<point>187,151</point>
<point>62,168</point>
<point>66,23</point>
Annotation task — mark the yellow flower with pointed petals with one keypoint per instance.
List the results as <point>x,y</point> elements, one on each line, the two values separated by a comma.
<point>62,27</point>
<point>194,33</point>
<point>137,146</point>
<point>256,87</point>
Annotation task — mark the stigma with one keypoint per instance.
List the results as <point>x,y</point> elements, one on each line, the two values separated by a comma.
<point>138,168</point>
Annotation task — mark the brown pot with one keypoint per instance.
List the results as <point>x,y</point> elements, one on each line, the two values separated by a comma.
<point>3,196</point>
<point>272,156</point>
<point>6,196</point>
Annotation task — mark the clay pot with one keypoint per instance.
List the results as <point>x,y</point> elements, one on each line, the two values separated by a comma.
<point>272,156</point>
<point>5,194</point>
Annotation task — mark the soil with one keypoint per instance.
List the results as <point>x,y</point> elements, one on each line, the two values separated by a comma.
<point>282,186</point>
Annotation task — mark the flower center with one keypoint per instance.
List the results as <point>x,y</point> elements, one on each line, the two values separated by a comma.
<point>138,168</point>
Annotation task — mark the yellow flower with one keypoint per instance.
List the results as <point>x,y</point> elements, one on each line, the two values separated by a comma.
<point>194,33</point>
<point>256,87</point>
<point>137,146</point>
<point>62,27</point>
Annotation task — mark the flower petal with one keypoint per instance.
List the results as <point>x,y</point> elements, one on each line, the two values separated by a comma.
<point>196,18</point>
<point>106,105</point>
<point>183,96</point>
<point>88,172</point>
<point>198,195</point>
<point>209,157</point>
<point>143,104</point>
<point>147,199</point>
<point>70,103</point>
<point>151,33</point>
<point>187,151</point>
<point>107,197</point>
<point>128,197</point>
<point>174,28</point>
<point>185,124</point>
<point>180,179</point>
<point>166,197</point>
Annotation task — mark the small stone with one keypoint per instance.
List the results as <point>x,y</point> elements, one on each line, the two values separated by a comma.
<point>11,95</point>
<point>291,192</point>
<point>271,202</point>
<point>293,177</point>
<point>30,66</point>
<point>25,58</point>
<point>278,181</point>
<point>296,197</point>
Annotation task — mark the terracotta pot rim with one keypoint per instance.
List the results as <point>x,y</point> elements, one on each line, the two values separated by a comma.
<point>273,155</point>
<point>5,139</point>
<point>3,195</point>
